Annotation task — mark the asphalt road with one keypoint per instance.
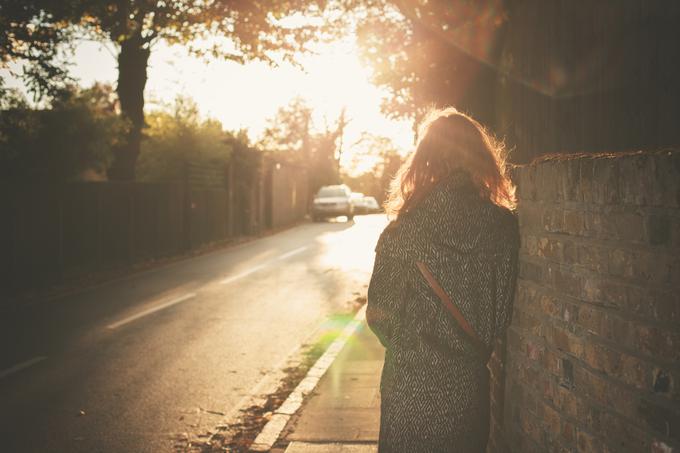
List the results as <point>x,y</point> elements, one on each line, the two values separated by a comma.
<point>132,365</point>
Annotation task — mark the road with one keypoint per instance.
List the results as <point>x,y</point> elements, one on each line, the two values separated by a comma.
<point>131,365</point>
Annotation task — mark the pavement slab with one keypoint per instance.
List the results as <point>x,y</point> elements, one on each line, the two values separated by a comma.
<point>343,413</point>
<point>306,447</point>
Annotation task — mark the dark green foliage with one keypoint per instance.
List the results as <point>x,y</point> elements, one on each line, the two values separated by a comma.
<point>430,53</point>
<point>32,32</point>
<point>235,30</point>
<point>75,136</point>
<point>178,136</point>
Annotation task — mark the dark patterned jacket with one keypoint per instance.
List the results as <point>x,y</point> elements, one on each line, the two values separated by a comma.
<point>433,396</point>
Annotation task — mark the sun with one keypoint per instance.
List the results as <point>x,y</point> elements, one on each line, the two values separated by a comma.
<point>245,96</point>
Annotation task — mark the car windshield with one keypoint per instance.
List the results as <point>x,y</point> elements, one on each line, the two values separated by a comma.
<point>329,192</point>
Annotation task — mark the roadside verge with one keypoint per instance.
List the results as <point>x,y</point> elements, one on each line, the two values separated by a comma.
<point>272,430</point>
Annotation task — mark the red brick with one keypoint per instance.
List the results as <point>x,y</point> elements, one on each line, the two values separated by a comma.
<point>531,271</point>
<point>622,434</point>
<point>567,342</point>
<point>530,217</point>
<point>621,366</point>
<point>642,302</point>
<point>571,180</point>
<point>637,178</point>
<point>526,183</point>
<point>658,229</point>
<point>586,443</point>
<point>666,306</point>
<point>550,361</point>
<point>591,385</point>
<point>528,323</point>
<point>622,226</point>
<point>548,183</point>
<point>530,245</point>
<point>667,193</point>
<point>588,415</point>
<point>675,232</point>
<point>549,306</point>
<point>552,220</point>
<point>620,262</point>
<point>566,401</point>
<point>530,426</point>
<point>568,432</point>
<point>605,188</point>
<point>549,248</point>
<point>590,317</point>
<point>564,280</point>
<point>586,179</point>
<point>658,342</point>
<point>593,257</point>
<point>592,354</point>
<point>574,223</point>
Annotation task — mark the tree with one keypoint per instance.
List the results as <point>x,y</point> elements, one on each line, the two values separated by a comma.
<point>432,53</point>
<point>382,158</point>
<point>288,132</point>
<point>177,136</point>
<point>31,31</point>
<point>77,135</point>
<point>239,30</point>
<point>292,135</point>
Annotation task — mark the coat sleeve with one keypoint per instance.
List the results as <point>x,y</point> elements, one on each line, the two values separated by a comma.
<point>385,296</point>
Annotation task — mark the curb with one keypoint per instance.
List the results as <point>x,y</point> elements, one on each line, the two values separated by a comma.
<point>272,430</point>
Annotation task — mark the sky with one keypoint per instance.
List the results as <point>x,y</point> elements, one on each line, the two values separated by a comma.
<point>245,96</point>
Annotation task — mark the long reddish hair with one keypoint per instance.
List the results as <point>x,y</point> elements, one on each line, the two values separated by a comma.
<point>449,140</point>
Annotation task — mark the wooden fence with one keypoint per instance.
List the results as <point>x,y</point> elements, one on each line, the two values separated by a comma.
<point>51,233</point>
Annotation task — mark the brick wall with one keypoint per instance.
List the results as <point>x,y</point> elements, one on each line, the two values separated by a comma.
<point>592,358</point>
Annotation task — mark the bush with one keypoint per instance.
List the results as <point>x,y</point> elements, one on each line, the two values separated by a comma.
<point>76,135</point>
<point>176,137</point>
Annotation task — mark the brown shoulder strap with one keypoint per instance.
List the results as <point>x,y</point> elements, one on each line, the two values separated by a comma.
<point>451,307</point>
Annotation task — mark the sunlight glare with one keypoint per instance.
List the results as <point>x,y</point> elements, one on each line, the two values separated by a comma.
<point>246,96</point>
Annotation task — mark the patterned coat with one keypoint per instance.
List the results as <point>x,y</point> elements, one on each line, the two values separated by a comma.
<point>434,386</point>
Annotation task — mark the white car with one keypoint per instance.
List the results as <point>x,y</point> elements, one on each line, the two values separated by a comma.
<point>333,201</point>
<point>370,205</point>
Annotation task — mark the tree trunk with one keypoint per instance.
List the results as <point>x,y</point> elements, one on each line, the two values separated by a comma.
<point>132,62</point>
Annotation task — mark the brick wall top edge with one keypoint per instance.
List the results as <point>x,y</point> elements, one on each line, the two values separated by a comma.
<point>557,158</point>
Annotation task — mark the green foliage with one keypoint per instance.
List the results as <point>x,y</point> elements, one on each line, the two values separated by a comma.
<point>238,30</point>
<point>386,161</point>
<point>292,136</point>
<point>32,32</point>
<point>385,38</point>
<point>76,135</point>
<point>35,31</point>
<point>289,130</point>
<point>430,53</point>
<point>178,136</point>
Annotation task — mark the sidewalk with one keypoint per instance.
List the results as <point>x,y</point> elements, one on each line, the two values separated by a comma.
<point>342,415</point>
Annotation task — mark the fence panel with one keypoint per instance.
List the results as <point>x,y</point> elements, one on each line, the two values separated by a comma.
<point>81,223</point>
<point>35,247</point>
<point>170,220</point>
<point>117,223</point>
<point>58,231</point>
<point>145,217</point>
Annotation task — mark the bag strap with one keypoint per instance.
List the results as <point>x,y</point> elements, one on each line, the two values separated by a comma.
<point>451,307</point>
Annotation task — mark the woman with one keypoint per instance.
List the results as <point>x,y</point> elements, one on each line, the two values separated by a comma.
<point>451,205</point>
